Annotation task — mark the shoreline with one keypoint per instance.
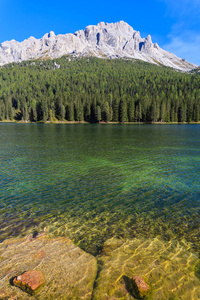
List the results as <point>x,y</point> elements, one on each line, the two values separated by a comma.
<point>101,122</point>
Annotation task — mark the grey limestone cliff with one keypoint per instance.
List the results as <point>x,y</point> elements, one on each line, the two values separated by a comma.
<point>105,40</point>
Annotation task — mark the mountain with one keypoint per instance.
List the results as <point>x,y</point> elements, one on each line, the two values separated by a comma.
<point>105,40</point>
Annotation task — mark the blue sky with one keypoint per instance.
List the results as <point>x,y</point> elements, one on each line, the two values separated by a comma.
<point>174,25</point>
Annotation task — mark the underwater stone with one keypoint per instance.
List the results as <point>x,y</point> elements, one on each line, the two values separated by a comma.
<point>37,234</point>
<point>69,271</point>
<point>168,269</point>
<point>141,287</point>
<point>4,294</point>
<point>29,281</point>
<point>110,245</point>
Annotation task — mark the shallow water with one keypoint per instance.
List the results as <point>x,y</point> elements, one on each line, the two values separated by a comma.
<point>92,182</point>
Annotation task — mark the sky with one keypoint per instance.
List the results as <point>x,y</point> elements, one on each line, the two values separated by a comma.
<point>173,24</point>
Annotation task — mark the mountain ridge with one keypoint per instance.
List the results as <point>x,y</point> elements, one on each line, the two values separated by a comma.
<point>104,40</point>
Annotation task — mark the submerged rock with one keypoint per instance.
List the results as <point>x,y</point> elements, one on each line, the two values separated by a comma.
<point>7,295</point>
<point>111,245</point>
<point>141,287</point>
<point>30,281</point>
<point>3,294</point>
<point>69,271</point>
<point>197,269</point>
<point>168,267</point>
<point>37,234</point>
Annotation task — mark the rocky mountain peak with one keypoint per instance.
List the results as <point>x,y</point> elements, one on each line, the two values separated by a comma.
<point>148,39</point>
<point>104,40</point>
<point>51,34</point>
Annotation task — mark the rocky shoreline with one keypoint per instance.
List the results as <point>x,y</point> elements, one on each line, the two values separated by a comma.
<point>131,269</point>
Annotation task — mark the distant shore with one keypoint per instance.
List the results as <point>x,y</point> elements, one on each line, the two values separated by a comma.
<point>101,122</point>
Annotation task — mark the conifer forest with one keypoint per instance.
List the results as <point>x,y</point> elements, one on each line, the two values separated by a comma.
<point>95,90</point>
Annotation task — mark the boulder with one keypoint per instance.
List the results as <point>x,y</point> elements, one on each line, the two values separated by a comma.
<point>69,271</point>
<point>141,287</point>
<point>167,266</point>
<point>30,281</point>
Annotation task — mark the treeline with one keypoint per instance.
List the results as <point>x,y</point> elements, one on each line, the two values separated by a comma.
<point>94,90</point>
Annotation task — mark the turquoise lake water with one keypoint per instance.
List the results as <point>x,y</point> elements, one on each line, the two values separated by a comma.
<point>94,181</point>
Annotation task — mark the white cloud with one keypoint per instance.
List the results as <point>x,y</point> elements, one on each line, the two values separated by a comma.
<point>182,8</point>
<point>185,46</point>
<point>184,34</point>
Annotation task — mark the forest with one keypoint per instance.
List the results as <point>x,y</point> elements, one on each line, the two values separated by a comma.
<point>95,90</point>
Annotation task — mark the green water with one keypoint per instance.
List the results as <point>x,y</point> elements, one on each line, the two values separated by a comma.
<point>92,181</point>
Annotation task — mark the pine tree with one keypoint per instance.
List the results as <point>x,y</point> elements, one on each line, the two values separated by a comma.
<point>131,110</point>
<point>98,114</point>
<point>123,111</point>
<point>106,112</point>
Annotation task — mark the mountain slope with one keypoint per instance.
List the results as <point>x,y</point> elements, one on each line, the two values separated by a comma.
<point>93,89</point>
<point>105,40</point>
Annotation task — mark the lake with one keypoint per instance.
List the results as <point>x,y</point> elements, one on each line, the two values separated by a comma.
<point>127,194</point>
<point>95,181</point>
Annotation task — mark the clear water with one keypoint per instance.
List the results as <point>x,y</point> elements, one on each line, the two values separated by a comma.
<point>92,182</point>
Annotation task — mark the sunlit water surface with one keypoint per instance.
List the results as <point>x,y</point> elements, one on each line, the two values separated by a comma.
<point>92,182</point>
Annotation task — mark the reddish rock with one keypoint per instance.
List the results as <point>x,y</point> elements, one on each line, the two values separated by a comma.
<point>141,287</point>
<point>29,281</point>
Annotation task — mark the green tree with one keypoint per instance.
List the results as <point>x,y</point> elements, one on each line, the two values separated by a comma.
<point>123,111</point>
<point>131,110</point>
<point>106,112</point>
<point>70,112</point>
<point>98,114</point>
<point>115,117</point>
